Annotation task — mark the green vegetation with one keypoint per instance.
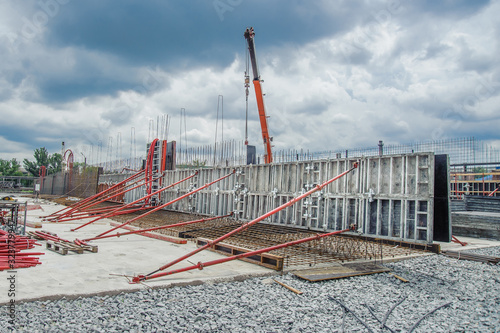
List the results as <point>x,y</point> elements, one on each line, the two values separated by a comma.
<point>194,165</point>
<point>10,168</point>
<point>53,163</point>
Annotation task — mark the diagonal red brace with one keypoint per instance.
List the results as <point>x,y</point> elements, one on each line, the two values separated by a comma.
<point>201,265</point>
<point>157,228</point>
<point>246,225</point>
<point>115,212</point>
<point>168,203</point>
<point>87,200</point>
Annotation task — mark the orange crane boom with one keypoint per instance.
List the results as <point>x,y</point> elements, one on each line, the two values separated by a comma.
<point>249,36</point>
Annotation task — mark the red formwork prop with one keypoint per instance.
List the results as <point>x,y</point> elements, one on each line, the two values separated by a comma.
<point>11,256</point>
<point>154,235</point>
<point>158,228</point>
<point>80,209</point>
<point>201,265</point>
<point>85,213</point>
<point>121,190</point>
<point>495,191</point>
<point>80,203</point>
<point>117,210</point>
<point>156,273</point>
<point>168,203</point>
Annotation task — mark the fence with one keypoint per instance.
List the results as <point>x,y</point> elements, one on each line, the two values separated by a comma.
<point>78,183</point>
<point>234,153</point>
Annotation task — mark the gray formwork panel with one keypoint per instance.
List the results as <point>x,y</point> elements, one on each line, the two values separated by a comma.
<point>388,197</point>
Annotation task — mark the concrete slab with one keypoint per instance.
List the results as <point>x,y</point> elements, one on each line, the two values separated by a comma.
<point>74,274</point>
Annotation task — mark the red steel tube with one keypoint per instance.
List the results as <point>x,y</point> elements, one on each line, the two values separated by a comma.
<point>82,209</point>
<point>168,203</point>
<point>201,265</point>
<point>114,212</point>
<point>51,237</point>
<point>118,194</point>
<point>132,210</point>
<point>156,228</point>
<point>24,254</point>
<point>248,224</point>
<point>88,201</point>
<point>98,194</point>
<point>495,191</point>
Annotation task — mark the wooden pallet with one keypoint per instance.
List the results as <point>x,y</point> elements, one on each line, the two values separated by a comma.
<point>264,259</point>
<point>57,247</point>
<point>64,247</point>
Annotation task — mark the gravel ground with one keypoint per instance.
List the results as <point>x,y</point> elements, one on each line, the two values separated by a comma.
<point>466,293</point>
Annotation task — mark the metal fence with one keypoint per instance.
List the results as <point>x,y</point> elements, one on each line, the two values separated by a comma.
<point>234,153</point>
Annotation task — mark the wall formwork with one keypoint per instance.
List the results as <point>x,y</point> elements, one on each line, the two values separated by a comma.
<point>390,196</point>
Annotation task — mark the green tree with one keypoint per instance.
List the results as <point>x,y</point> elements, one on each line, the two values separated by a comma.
<point>53,163</point>
<point>10,168</point>
<point>479,170</point>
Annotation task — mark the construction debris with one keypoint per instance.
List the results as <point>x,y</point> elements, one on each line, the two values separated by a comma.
<point>298,292</point>
<point>399,277</point>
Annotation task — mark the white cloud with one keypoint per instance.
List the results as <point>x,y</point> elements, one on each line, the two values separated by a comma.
<point>390,77</point>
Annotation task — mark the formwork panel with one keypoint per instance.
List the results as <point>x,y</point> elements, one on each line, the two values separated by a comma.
<point>384,175</point>
<point>396,218</point>
<point>411,175</point>
<point>372,217</point>
<point>397,175</point>
<point>386,196</point>
<point>384,217</point>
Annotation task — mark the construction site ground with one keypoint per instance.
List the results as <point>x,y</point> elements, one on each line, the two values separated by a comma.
<point>106,271</point>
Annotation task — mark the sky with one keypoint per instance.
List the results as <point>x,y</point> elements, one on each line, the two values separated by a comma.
<point>337,74</point>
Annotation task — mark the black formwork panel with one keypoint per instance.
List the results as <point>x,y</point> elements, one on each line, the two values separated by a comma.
<point>442,220</point>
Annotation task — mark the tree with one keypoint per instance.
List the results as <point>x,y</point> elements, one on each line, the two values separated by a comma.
<point>53,163</point>
<point>10,168</point>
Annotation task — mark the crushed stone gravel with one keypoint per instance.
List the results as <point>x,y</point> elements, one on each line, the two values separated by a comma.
<point>443,295</point>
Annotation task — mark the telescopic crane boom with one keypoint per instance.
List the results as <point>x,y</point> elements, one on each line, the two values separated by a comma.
<point>249,36</point>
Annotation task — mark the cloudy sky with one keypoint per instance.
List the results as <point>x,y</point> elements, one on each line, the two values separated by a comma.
<point>338,74</point>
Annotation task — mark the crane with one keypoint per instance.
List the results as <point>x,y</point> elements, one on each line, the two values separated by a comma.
<point>249,36</point>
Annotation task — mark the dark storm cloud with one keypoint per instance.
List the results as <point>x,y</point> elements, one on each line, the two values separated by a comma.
<point>162,32</point>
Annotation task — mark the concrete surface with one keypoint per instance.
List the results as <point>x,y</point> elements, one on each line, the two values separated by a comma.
<point>472,243</point>
<point>74,274</point>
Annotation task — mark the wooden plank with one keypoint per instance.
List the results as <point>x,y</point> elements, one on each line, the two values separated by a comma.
<point>90,248</point>
<point>264,259</point>
<point>341,271</point>
<point>298,292</point>
<point>399,277</point>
